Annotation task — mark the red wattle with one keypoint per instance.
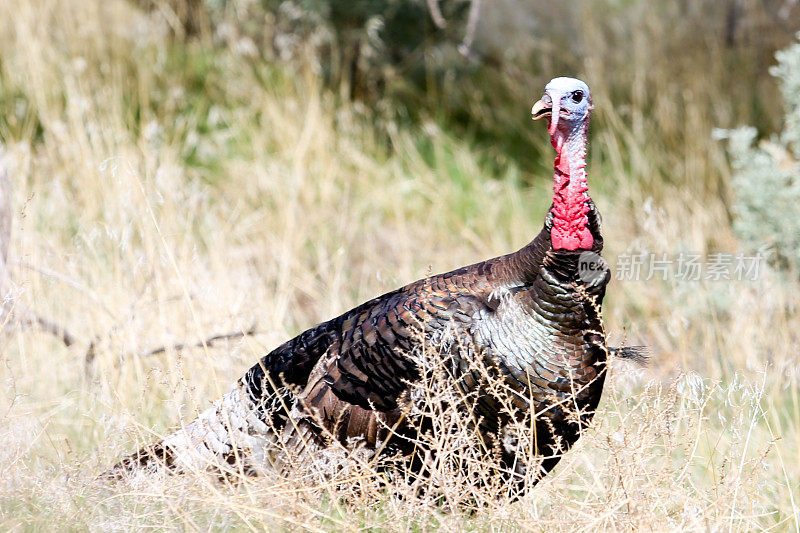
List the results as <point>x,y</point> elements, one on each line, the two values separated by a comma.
<point>570,210</point>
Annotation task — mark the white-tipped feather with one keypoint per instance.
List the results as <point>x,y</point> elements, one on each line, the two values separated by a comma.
<point>230,421</point>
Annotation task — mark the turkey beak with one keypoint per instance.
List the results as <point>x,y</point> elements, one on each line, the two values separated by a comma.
<point>539,110</point>
<point>548,106</point>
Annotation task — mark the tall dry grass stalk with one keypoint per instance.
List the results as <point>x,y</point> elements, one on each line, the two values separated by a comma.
<point>149,211</point>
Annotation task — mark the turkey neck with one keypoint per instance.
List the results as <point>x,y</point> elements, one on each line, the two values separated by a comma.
<point>570,210</point>
<point>570,224</point>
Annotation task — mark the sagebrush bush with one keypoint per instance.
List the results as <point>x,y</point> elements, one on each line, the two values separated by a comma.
<point>766,179</point>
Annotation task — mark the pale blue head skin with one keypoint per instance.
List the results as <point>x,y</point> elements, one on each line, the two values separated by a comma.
<point>567,101</point>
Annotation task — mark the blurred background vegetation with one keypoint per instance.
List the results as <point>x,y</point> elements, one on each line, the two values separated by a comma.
<point>663,74</point>
<point>184,168</point>
<point>674,69</point>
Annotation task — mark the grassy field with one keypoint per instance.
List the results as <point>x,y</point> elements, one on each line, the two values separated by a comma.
<point>166,191</point>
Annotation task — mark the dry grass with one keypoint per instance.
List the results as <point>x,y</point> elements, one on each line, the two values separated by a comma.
<point>146,215</point>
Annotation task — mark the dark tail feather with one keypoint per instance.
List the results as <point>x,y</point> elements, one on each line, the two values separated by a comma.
<point>637,354</point>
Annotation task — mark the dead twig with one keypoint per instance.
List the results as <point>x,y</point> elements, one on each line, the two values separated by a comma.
<point>27,317</point>
<point>465,48</point>
<point>436,14</point>
<point>15,314</point>
<point>91,350</point>
<point>199,344</point>
<point>12,312</point>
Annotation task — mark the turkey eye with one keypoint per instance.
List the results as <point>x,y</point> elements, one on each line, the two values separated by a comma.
<point>577,96</point>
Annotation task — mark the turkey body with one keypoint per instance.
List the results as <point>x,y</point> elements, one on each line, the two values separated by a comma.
<point>532,316</point>
<point>528,314</point>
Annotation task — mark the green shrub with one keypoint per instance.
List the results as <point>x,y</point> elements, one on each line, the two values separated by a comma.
<point>766,179</point>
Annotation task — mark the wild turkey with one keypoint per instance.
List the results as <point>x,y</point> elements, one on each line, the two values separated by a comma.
<point>531,313</point>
